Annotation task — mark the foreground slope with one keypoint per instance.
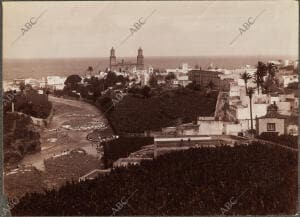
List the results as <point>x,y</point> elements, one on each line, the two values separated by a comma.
<point>259,179</point>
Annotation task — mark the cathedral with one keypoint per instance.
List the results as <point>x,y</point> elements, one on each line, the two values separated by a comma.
<point>125,66</point>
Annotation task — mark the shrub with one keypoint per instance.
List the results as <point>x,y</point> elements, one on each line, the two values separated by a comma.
<point>287,140</point>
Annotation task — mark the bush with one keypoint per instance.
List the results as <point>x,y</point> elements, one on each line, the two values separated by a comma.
<point>31,103</point>
<point>20,137</point>
<point>286,140</point>
<point>136,115</point>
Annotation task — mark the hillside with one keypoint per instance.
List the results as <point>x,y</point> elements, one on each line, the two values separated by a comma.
<point>20,136</point>
<point>258,179</point>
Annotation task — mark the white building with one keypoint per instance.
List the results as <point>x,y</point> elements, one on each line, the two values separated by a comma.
<point>288,79</point>
<point>234,89</point>
<point>9,85</point>
<point>34,83</point>
<point>271,122</point>
<point>56,82</point>
<point>292,129</point>
<point>101,75</point>
<point>258,110</point>
<point>183,69</point>
<point>144,75</point>
<point>181,81</point>
<point>296,64</point>
<point>210,126</point>
<point>43,82</point>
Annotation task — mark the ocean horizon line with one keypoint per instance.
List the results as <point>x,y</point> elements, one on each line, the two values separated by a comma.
<point>192,56</point>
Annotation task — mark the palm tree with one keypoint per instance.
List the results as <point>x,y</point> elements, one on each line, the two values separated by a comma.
<point>250,94</point>
<point>259,74</point>
<point>246,76</point>
<point>269,85</point>
<point>271,69</point>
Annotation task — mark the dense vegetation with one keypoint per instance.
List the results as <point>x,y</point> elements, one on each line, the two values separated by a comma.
<point>193,182</point>
<point>287,140</point>
<point>90,88</point>
<point>138,109</point>
<point>123,146</point>
<point>20,137</point>
<point>136,115</point>
<point>29,102</point>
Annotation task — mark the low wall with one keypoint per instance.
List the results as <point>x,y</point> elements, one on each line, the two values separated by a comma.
<point>43,122</point>
<point>210,127</point>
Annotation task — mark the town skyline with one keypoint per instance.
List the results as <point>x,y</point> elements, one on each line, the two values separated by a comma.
<point>109,23</point>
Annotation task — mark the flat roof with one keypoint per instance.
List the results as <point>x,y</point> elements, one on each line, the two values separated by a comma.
<point>178,139</point>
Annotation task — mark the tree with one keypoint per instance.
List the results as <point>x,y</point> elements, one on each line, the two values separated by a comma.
<point>170,76</point>
<point>111,79</point>
<point>271,70</point>
<point>28,87</point>
<point>246,76</point>
<point>268,84</point>
<point>152,81</point>
<point>259,74</point>
<point>250,94</point>
<point>122,79</point>
<point>72,81</point>
<point>146,91</point>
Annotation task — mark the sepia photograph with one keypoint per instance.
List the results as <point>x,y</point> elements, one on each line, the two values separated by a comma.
<point>150,108</point>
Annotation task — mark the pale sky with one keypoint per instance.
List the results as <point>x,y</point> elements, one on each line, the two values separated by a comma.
<point>186,28</point>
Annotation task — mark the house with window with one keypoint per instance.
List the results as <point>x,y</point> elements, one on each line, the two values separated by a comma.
<point>292,125</point>
<point>288,79</point>
<point>272,121</point>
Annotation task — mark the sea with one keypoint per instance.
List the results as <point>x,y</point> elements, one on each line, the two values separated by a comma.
<point>38,68</point>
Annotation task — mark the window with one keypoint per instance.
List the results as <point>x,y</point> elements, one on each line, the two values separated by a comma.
<point>292,131</point>
<point>271,126</point>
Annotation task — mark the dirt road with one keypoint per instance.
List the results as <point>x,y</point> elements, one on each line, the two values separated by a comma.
<point>72,121</point>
